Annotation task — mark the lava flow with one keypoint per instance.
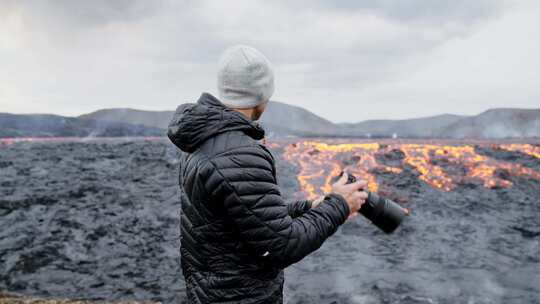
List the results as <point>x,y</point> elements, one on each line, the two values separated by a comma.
<point>523,148</point>
<point>441,166</point>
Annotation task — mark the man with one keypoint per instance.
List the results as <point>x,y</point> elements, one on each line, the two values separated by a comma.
<point>237,233</point>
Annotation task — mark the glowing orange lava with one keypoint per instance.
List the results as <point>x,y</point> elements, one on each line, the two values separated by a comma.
<point>523,148</point>
<point>319,162</point>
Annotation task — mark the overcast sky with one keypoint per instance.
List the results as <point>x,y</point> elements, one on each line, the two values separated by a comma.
<point>344,60</point>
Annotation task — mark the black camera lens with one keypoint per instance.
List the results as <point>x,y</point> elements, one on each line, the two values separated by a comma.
<point>386,214</point>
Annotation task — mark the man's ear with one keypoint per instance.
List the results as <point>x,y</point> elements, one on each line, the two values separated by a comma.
<point>262,106</point>
<point>258,111</point>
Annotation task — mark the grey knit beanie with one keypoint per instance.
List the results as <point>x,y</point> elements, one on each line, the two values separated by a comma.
<point>245,77</point>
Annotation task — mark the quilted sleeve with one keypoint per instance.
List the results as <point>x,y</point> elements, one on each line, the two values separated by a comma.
<point>296,209</point>
<point>253,202</point>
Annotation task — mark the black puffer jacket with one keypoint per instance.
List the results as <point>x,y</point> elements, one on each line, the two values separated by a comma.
<point>237,233</point>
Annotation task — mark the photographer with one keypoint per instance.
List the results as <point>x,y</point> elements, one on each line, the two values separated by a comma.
<point>237,233</point>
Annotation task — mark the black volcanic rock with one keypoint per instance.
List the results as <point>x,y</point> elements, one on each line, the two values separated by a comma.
<point>99,220</point>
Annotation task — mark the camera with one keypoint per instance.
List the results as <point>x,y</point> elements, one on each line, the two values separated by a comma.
<point>386,214</point>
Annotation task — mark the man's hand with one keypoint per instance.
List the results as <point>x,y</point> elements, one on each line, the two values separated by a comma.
<point>353,193</point>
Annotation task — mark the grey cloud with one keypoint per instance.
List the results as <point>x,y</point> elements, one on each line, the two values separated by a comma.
<point>79,55</point>
<point>73,14</point>
<point>413,10</point>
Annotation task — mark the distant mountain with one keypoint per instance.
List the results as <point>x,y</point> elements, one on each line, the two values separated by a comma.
<point>280,120</point>
<point>283,119</point>
<point>418,127</point>
<point>495,123</point>
<point>157,119</point>
<point>47,125</point>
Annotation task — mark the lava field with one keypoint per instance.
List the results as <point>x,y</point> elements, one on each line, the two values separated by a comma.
<point>100,220</point>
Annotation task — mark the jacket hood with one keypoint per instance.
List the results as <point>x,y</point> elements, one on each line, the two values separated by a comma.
<point>194,123</point>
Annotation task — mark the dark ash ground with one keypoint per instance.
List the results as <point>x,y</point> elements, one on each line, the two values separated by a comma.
<point>100,221</point>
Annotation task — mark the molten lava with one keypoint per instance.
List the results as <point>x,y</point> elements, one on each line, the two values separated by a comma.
<point>318,162</point>
<point>523,148</point>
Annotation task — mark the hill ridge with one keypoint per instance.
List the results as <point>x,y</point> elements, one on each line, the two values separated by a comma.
<point>281,119</point>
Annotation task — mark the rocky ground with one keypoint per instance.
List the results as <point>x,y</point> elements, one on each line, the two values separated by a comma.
<point>10,298</point>
<point>99,221</point>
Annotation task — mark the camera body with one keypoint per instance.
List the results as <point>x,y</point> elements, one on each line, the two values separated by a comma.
<point>386,214</point>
